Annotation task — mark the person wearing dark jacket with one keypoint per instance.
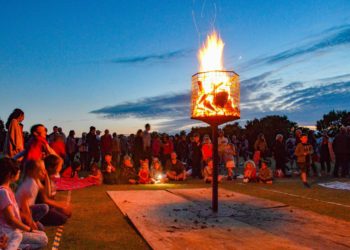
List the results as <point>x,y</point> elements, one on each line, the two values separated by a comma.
<point>182,148</point>
<point>93,146</point>
<point>280,154</point>
<point>138,152</point>
<point>196,157</point>
<point>341,147</point>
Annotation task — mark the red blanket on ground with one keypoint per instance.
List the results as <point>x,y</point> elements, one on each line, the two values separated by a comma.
<point>64,184</point>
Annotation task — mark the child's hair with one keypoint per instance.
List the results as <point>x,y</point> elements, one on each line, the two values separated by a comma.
<point>126,157</point>
<point>264,162</point>
<point>155,159</point>
<point>109,154</point>
<point>34,128</point>
<point>8,167</point>
<point>94,166</point>
<point>249,162</point>
<point>75,166</point>
<point>51,163</point>
<point>208,160</point>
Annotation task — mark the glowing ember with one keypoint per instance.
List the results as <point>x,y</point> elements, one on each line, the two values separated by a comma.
<point>215,92</point>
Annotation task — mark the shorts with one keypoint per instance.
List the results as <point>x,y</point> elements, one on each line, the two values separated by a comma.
<point>303,167</point>
<point>230,164</point>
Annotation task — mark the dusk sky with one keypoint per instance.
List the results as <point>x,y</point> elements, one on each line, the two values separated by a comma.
<point>120,64</point>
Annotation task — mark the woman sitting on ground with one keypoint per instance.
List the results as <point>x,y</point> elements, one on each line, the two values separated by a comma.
<point>17,233</point>
<point>59,212</point>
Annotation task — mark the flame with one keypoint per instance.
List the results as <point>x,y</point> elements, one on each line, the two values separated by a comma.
<point>214,95</point>
<point>210,55</point>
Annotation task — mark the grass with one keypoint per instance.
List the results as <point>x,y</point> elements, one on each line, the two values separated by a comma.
<point>98,224</point>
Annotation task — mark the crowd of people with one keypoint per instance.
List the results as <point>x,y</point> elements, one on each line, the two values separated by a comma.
<point>31,164</point>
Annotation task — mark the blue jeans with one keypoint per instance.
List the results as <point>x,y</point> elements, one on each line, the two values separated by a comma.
<point>38,212</point>
<point>26,240</point>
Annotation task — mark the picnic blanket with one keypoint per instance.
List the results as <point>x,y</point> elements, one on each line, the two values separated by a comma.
<point>336,185</point>
<point>65,184</point>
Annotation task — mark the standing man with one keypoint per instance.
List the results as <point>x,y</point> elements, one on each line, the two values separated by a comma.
<point>93,147</point>
<point>62,134</point>
<point>341,147</point>
<point>182,149</point>
<point>116,150</point>
<point>196,157</point>
<point>106,143</point>
<point>54,134</point>
<point>147,149</point>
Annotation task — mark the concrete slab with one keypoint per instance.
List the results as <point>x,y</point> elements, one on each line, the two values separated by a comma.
<point>173,221</point>
<point>307,228</point>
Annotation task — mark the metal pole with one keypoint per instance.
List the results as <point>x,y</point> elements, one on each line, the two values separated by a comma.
<point>215,168</point>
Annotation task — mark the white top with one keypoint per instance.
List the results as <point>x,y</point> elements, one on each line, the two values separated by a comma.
<point>29,189</point>
<point>7,198</point>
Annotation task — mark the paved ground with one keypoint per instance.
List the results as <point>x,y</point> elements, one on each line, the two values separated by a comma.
<point>182,219</point>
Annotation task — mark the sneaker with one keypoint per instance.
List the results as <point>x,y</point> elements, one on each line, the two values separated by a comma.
<point>307,185</point>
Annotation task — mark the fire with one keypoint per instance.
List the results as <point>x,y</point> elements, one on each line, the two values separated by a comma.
<point>210,56</point>
<point>213,91</point>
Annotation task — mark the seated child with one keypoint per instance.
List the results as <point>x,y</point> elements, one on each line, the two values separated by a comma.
<point>27,192</point>
<point>59,212</point>
<point>128,172</point>
<point>144,177</point>
<point>72,171</point>
<point>230,165</point>
<point>249,171</point>
<point>108,170</point>
<point>265,174</point>
<point>208,172</point>
<point>156,173</point>
<point>95,175</point>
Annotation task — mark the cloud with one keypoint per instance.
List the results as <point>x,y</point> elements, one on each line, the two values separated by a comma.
<point>254,84</point>
<point>256,79</point>
<point>178,124</point>
<point>335,78</point>
<point>313,97</point>
<point>152,57</point>
<point>168,105</point>
<point>341,37</point>
<point>292,86</point>
<point>333,37</point>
